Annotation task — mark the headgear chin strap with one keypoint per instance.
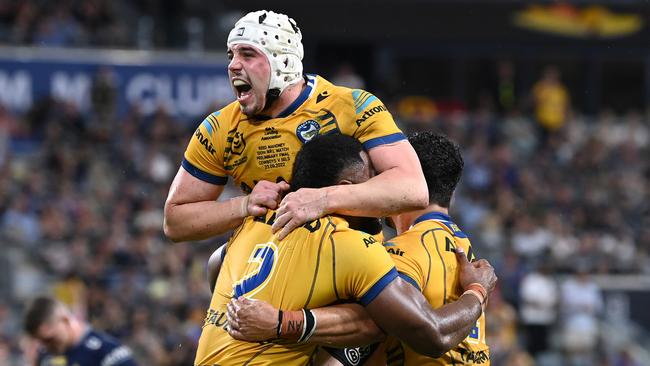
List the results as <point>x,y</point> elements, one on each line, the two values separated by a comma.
<point>279,38</point>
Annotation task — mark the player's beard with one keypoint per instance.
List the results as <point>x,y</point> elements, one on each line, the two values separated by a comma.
<point>256,102</point>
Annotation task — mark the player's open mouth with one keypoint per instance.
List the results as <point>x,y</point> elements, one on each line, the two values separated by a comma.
<point>243,89</point>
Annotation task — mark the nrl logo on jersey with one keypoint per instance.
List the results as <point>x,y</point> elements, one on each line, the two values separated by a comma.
<point>307,130</point>
<point>235,142</point>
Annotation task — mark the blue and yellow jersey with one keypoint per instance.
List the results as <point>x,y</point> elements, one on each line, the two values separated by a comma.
<point>317,264</point>
<point>228,143</point>
<point>424,256</point>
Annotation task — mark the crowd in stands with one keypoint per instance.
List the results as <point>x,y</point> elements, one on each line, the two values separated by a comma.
<point>549,215</point>
<point>114,23</point>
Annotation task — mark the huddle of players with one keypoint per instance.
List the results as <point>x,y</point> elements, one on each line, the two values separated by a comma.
<point>313,258</point>
<point>397,284</point>
<point>322,276</point>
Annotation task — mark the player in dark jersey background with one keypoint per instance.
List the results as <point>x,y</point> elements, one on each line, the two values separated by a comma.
<point>255,138</point>
<point>68,341</point>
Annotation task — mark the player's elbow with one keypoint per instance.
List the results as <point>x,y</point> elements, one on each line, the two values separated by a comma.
<point>422,197</point>
<point>171,233</point>
<point>369,333</point>
<point>431,341</point>
<point>418,195</point>
<point>439,347</point>
<point>441,343</point>
<point>170,229</point>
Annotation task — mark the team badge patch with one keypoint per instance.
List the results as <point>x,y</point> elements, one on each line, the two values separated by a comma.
<point>307,130</point>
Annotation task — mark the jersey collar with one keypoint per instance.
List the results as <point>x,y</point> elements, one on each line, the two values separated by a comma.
<point>310,82</point>
<point>432,216</point>
<point>444,219</point>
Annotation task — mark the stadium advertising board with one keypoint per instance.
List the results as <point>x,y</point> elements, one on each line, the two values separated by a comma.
<point>184,90</point>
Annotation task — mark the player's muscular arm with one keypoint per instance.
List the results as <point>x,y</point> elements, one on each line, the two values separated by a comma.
<point>399,187</point>
<point>399,310</point>
<point>344,325</point>
<point>403,312</point>
<point>192,212</point>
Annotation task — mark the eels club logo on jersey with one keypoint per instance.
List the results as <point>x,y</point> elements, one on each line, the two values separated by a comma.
<point>307,130</point>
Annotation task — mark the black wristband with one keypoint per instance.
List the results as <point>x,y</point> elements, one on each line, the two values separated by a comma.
<point>279,330</point>
<point>310,326</point>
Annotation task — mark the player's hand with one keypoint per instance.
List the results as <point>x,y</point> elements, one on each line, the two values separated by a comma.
<point>252,320</point>
<point>479,271</point>
<point>265,195</point>
<point>298,208</point>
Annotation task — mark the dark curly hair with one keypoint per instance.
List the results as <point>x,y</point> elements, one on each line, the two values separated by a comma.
<point>442,164</point>
<point>323,161</point>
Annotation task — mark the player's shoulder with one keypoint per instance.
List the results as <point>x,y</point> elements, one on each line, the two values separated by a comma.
<point>423,234</point>
<point>408,244</point>
<point>111,351</point>
<point>222,119</point>
<point>324,90</point>
<point>438,223</point>
<point>344,235</point>
<point>99,341</point>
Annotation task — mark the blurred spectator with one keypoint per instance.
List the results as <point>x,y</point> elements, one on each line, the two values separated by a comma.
<point>71,291</point>
<point>529,239</point>
<point>501,327</point>
<point>416,113</point>
<point>57,29</point>
<point>506,91</point>
<point>581,306</point>
<point>551,102</point>
<point>104,95</point>
<point>538,309</point>
<point>20,222</point>
<point>520,133</point>
<point>6,122</point>
<point>346,76</point>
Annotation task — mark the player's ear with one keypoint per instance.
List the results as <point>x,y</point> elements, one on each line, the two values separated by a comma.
<point>344,181</point>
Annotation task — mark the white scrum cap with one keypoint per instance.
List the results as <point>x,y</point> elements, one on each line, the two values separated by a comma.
<point>279,38</point>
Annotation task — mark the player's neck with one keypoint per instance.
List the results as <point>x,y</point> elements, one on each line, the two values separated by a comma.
<point>370,225</point>
<point>405,220</point>
<point>288,96</point>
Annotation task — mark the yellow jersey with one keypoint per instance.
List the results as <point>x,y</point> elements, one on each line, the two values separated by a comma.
<point>318,264</point>
<point>552,102</point>
<point>424,256</point>
<point>229,143</point>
